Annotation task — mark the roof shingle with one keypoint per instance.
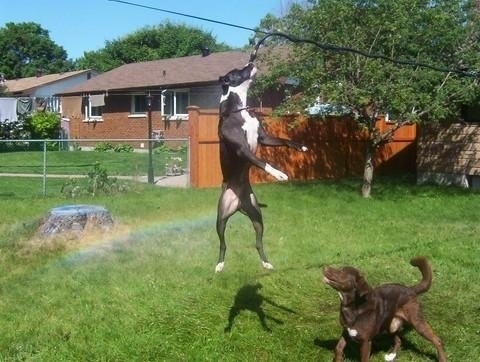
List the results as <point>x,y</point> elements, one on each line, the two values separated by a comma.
<point>172,72</point>
<point>27,84</point>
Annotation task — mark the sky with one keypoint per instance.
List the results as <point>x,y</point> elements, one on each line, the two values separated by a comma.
<point>84,25</point>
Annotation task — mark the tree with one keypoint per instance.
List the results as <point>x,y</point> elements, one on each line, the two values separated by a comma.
<point>441,33</point>
<point>150,43</point>
<point>27,49</point>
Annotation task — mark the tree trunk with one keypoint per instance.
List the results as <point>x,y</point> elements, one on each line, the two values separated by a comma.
<point>368,173</point>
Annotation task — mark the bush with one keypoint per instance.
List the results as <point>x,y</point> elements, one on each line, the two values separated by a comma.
<point>107,147</point>
<point>44,125</point>
<point>123,148</point>
<point>13,131</point>
<point>103,147</point>
<point>162,148</point>
<point>97,182</point>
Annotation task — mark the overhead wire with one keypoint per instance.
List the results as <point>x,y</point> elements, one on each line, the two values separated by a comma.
<point>323,46</point>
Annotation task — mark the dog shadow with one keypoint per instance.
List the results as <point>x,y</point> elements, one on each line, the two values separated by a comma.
<point>249,298</point>
<point>381,344</point>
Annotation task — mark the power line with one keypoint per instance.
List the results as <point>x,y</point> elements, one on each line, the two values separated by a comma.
<point>323,46</point>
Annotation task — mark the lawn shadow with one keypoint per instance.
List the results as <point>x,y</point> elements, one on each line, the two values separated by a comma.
<point>249,298</point>
<point>7,194</point>
<point>380,344</point>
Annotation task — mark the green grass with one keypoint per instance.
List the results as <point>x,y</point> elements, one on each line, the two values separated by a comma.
<point>147,290</point>
<point>81,162</point>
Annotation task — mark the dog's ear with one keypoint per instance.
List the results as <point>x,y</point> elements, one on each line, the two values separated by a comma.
<point>362,286</point>
<point>224,80</point>
<point>225,83</point>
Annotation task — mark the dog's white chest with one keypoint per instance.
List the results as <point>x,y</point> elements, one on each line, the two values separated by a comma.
<point>352,332</point>
<point>251,130</point>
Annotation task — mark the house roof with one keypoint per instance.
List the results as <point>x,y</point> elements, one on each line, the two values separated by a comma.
<point>165,73</point>
<point>24,85</point>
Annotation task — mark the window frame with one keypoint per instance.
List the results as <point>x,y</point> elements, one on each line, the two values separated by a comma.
<point>88,112</point>
<point>133,112</point>
<point>173,93</point>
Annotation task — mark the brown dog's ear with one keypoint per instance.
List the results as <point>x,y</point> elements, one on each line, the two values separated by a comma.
<point>362,285</point>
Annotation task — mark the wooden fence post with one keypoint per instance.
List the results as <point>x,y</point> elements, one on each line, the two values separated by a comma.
<point>193,124</point>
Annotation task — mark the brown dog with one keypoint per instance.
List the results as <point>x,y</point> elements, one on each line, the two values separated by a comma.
<point>366,312</point>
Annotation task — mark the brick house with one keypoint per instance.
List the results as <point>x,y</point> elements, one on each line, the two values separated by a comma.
<point>115,104</point>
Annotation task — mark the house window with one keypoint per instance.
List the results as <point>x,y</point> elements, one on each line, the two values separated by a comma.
<point>95,112</point>
<point>94,108</point>
<point>139,104</point>
<point>175,103</point>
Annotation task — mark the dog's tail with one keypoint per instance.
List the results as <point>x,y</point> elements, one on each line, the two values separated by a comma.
<point>422,264</point>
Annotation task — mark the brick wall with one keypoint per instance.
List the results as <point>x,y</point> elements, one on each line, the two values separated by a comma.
<point>117,121</point>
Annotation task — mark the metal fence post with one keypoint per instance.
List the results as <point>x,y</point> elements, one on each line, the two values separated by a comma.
<point>44,168</point>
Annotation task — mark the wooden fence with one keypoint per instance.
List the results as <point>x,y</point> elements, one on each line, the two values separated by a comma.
<point>336,149</point>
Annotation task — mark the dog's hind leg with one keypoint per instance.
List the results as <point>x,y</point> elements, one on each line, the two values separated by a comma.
<point>228,204</point>
<point>251,207</point>
<point>413,315</point>
<point>424,329</point>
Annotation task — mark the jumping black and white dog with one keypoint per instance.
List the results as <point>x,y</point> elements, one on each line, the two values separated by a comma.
<point>240,132</point>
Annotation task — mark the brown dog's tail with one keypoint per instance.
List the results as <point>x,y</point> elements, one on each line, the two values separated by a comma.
<point>422,264</point>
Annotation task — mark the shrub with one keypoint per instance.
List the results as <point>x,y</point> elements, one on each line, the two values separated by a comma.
<point>44,125</point>
<point>97,182</point>
<point>13,130</point>
<point>103,147</point>
<point>123,148</point>
<point>162,148</point>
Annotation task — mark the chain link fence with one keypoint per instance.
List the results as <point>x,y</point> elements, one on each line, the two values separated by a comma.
<point>160,161</point>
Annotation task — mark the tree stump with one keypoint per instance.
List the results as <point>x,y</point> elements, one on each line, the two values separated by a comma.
<point>75,219</point>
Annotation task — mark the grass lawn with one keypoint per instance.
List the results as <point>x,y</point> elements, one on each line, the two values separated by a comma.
<point>147,291</point>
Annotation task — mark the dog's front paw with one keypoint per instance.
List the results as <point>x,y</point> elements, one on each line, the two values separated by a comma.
<point>267,265</point>
<point>390,357</point>
<point>219,267</point>
<point>297,146</point>
<point>279,175</point>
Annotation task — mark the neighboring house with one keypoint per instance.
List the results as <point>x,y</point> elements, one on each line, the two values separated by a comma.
<point>115,105</point>
<point>450,154</point>
<point>25,95</point>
